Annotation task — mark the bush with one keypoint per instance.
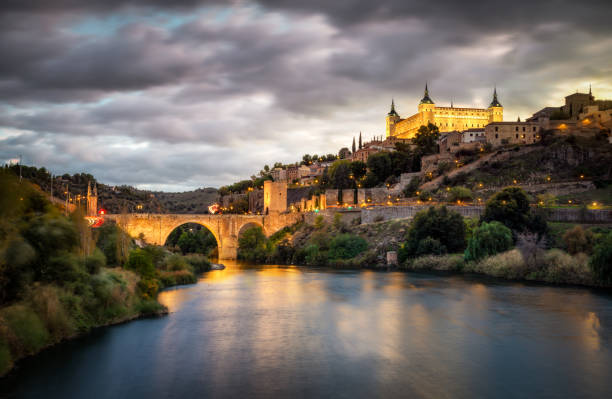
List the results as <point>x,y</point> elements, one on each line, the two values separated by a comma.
<point>346,246</point>
<point>95,261</point>
<point>508,264</point>
<point>601,261</point>
<point>148,288</point>
<point>253,245</point>
<point>199,263</point>
<point>412,187</point>
<point>488,239</point>
<point>319,222</point>
<point>176,262</point>
<point>460,193</point>
<point>510,207</point>
<point>447,227</point>
<point>26,330</point>
<point>429,245</point>
<point>561,267</point>
<point>578,240</point>
<point>439,263</point>
<point>313,256</point>
<point>140,261</point>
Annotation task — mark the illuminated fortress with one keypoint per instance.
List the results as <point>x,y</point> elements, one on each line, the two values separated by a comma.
<point>446,118</point>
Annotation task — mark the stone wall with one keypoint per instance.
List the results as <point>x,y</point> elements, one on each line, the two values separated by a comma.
<point>348,216</point>
<point>348,196</point>
<point>331,198</point>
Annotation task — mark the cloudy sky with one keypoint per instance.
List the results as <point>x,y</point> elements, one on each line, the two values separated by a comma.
<point>203,93</point>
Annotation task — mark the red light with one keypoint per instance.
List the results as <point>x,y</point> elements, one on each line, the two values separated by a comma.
<point>102,211</point>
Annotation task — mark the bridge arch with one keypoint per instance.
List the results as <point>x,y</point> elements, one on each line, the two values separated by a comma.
<point>165,241</point>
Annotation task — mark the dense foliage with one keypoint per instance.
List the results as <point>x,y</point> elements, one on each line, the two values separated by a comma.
<point>436,230</point>
<point>511,207</point>
<point>488,239</point>
<point>601,262</point>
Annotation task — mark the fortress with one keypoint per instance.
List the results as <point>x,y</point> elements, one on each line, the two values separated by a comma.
<point>446,118</point>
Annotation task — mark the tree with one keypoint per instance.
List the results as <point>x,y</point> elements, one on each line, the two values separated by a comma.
<point>578,240</point>
<point>447,227</point>
<point>380,165</point>
<point>354,147</point>
<point>601,261</point>
<point>510,207</point>
<point>306,159</point>
<point>340,173</point>
<point>401,159</point>
<point>140,261</point>
<point>344,153</point>
<point>359,169</point>
<point>426,139</point>
<point>460,193</point>
<point>253,244</point>
<point>488,239</point>
<point>360,143</point>
<point>346,246</point>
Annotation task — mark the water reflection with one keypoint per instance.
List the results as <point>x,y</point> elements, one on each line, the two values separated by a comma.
<point>278,331</point>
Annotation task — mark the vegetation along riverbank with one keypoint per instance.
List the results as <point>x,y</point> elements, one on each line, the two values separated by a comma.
<point>509,241</point>
<point>59,278</point>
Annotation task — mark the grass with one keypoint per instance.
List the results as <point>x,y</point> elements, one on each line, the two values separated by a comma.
<point>601,196</point>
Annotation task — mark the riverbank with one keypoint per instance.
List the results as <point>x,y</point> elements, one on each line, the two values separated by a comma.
<point>49,314</point>
<point>343,245</point>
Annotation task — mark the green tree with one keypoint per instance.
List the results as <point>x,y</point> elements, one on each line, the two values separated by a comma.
<point>460,193</point>
<point>510,207</point>
<point>253,245</point>
<point>359,169</point>
<point>488,239</point>
<point>140,261</point>
<point>447,227</point>
<point>346,246</point>
<point>426,139</point>
<point>340,174</point>
<point>380,165</point>
<point>601,261</point>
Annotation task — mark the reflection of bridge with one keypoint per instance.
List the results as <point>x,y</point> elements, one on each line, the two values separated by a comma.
<point>155,228</point>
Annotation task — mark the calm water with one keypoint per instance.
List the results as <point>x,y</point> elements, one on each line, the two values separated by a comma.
<point>293,332</point>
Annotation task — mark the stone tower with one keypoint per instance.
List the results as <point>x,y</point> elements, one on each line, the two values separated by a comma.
<point>92,200</point>
<point>426,108</point>
<point>275,197</point>
<point>391,119</point>
<point>496,111</point>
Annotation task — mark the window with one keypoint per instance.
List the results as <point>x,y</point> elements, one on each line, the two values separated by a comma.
<point>517,135</point>
<point>534,129</point>
<point>495,130</point>
<point>516,128</point>
<point>523,128</point>
<point>496,135</point>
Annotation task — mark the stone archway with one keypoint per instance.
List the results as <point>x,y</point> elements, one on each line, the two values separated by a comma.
<point>193,225</point>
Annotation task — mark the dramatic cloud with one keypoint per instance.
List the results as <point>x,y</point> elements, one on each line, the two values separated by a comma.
<point>183,94</point>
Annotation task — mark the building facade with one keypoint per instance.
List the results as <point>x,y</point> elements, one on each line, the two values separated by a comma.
<point>445,118</point>
<point>502,133</point>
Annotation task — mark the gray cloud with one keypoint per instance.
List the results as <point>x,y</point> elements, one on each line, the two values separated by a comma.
<point>224,89</point>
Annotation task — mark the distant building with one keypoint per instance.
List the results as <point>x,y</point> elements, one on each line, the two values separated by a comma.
<point>501,133</point>
<point>445,118</point>
<point>472,135</point>
<point>279,174</point>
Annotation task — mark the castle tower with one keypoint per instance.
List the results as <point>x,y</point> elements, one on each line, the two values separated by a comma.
<point>391,119</point>
<point>426,108</point>
<point>496,110</point>
<point>92,200</point>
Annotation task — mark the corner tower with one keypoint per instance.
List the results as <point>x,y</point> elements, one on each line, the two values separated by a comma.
<point>426,108</point>
<point>496,110</point>
<point>391,119</point>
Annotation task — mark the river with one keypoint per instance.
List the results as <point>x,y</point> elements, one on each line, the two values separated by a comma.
<point>272,331</point>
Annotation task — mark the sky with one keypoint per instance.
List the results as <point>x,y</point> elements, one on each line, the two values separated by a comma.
<point>176,95</point>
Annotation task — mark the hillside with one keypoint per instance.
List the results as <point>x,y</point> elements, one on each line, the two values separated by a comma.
<point>117,199</point>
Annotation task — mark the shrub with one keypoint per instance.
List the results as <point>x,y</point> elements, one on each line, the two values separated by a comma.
<point>562,267</point>
<point>319,222</point>
<point>253,245</point>
<point>175,262</point>
<point>199,263</point>
<point>148,288</point>
<point>601,261</point>
<point>487,240</point>
<point>27,330</point>
<point>435,262</point>
<point>47,305</point>
<point>346,246</point>
<point>578,240</point>
<point>460,193</point>
<point>412,187</point>
<point>507,264</point>
<point>140,261</point>
<point>95,261</point>
<point>429,245</point>
<point>510,207</point>
<point>447,227</point>
<point>313,256</point>
<point>338,224</point>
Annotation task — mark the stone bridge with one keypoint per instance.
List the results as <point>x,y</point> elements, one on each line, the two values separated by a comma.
<point>155,228</point>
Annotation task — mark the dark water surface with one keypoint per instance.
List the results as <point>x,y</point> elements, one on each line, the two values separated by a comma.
<point>293,332</point>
